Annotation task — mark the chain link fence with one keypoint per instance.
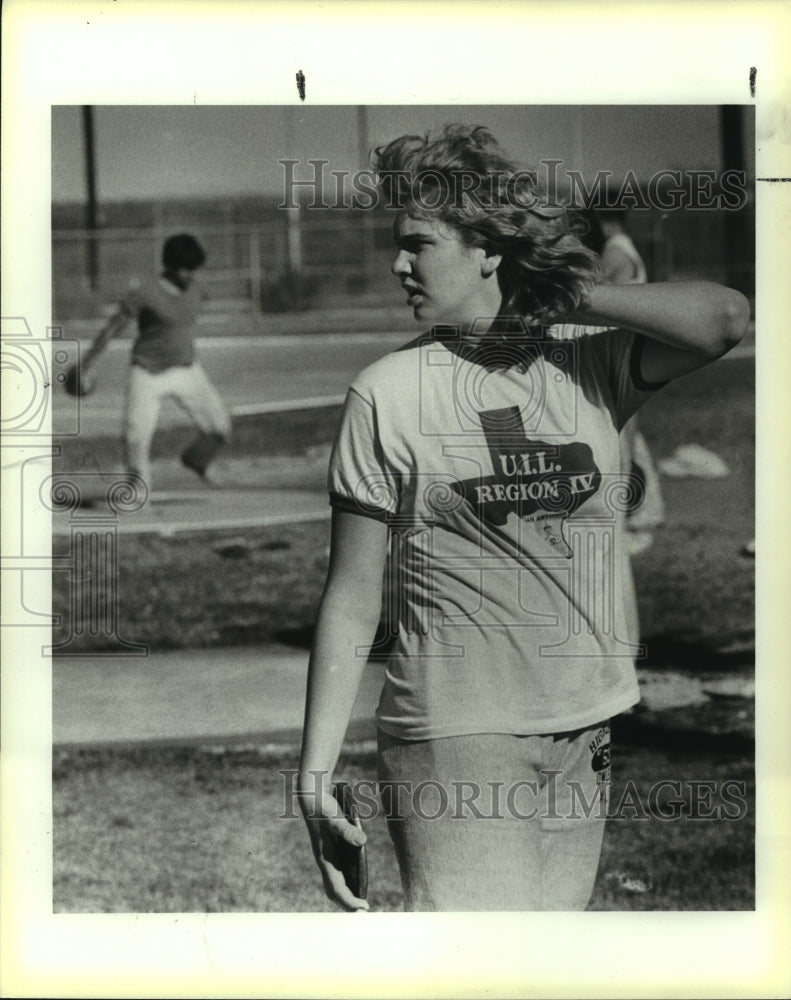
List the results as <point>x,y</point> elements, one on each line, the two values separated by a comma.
<point>266,260</point>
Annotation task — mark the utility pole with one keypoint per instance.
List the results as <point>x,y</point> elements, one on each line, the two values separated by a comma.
<point>368,220</point>
<point>739,241</point>
<point>92,218</point>
<point>294,220</point>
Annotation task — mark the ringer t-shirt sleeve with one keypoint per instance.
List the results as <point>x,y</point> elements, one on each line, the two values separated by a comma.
<point>620,351</point>
<point>359,479</point>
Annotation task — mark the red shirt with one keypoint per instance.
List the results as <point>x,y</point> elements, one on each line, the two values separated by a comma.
<point>166,318</point>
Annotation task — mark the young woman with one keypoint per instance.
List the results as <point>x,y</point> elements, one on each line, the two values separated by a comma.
<point>484,457</point>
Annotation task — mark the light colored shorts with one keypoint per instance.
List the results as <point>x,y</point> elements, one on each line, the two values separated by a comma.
<point>495,821</point>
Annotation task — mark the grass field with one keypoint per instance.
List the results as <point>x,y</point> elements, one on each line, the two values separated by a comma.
<point>191,830</point>
<point>197,829</point>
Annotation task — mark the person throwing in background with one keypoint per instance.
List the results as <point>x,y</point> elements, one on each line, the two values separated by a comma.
<point>621,264</point>
<point>620,259</point>
<point>163,361</point>
<point>483,458</point>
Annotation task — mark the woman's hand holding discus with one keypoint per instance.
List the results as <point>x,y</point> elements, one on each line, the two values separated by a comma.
<point>346,624</point>
<point>337,841</point>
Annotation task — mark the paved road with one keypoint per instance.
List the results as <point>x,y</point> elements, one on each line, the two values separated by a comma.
<point>246,370</point>
<point>196,695</point>
<point>252,491</point>
<point>249,371</point>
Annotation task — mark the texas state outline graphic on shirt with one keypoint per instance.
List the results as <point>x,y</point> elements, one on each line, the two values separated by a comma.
<point>531,478</point>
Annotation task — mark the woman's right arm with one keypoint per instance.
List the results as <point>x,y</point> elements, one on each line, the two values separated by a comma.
<point>347,621</point>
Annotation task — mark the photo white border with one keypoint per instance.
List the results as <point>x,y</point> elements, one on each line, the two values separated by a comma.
<point>215,52</point>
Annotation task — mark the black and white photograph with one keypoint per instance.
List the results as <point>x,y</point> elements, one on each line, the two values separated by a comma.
<point>539,548</point>
<point>385,496</point>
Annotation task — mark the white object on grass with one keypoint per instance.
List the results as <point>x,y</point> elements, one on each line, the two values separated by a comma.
<point>693,461</point>
<point>730,687</point>
<point>660,691</point>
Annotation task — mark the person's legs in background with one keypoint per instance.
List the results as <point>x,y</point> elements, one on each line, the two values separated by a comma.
<point>649,513</point>
<point>144,396</point>
<point>205,406</point>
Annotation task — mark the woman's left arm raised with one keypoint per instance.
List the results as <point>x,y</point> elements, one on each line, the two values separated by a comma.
<point>688,323</point>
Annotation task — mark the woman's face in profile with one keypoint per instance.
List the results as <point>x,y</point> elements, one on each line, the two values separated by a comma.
<point>444,279</point>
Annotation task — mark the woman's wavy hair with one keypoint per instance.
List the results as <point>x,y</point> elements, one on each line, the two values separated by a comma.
<point>461,176</point>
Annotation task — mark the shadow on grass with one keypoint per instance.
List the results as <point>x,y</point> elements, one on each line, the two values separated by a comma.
<point>695,733</point>
<point>731,653</point>
<point>716,654</point>
<point>726,726</point>
<point>302,638</point>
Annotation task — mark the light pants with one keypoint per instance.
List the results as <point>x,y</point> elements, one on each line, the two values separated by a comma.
<point>645,517</point>
<point>635,452</point>
<point>191,389</point>
<point>530,843</point>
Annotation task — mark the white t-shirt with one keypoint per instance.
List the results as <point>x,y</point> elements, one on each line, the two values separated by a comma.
<point>497,469</point>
